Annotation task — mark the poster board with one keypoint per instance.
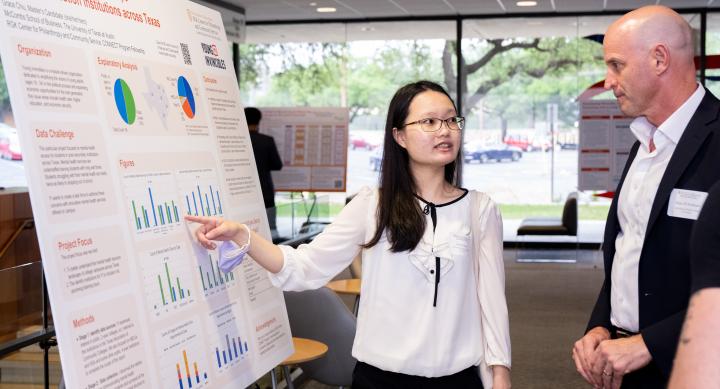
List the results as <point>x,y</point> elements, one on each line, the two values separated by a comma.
<point>605,142</point>
<point>312,143</point>
<point>129,117</point>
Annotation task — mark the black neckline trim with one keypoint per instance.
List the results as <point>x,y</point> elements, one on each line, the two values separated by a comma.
<point>444,204</point>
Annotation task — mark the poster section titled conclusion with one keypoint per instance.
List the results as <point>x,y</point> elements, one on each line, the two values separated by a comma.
<point>129,118</point>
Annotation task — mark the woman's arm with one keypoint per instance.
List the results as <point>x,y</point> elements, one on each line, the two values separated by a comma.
<point>309,266</point>
<point>264,252</point>
<point>501,377</point>
<point>488,242</point>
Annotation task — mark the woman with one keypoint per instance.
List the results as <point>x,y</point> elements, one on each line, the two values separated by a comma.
<point>433,304</point>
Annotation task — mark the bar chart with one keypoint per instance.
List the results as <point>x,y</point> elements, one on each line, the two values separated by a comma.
<point>227,351</point>
<point>192,374</point>
<point>200,193</point>
<point>152,204</point>
<point>213,279</point>
<point>182,360</point>
<point>167,280</point>
<point>231,347</point>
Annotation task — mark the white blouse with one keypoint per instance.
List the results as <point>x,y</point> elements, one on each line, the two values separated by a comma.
<point>398,329</point>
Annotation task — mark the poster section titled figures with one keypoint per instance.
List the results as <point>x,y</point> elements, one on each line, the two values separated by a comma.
<point>605,142</point>
<point>312,143</point>
<point>129,118</point>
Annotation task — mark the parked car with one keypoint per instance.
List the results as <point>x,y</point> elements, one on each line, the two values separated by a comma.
<point>361,143</point>
<point>376,159</point>
<point>526,145</point>
<point>475,151</point>
<point>520,142</point>
<point>9,143</point>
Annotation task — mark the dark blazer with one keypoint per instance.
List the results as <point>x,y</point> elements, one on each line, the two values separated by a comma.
<point>266,160</point>
<point>664,270</point>
<point>705,244</point>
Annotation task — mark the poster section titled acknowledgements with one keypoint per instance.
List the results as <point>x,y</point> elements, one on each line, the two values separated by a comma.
<point>129,118</point>
<point>312,143</point>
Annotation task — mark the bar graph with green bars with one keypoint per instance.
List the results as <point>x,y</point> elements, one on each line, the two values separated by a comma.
<point>213,277</point>
<point>171,290</point>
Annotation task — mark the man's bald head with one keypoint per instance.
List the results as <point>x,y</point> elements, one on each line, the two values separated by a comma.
<point>649,55</point>
<point>648,26</point>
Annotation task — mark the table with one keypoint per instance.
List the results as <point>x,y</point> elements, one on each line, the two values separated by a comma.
<point>350,286</point>
<point>306,350</point>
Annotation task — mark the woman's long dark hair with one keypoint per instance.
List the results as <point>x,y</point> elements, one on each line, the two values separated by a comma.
<point>398,211</point>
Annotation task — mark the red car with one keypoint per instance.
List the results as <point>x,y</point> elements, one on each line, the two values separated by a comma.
<point>524,144</point>
<point>9,143</point>
<point>360,143</point>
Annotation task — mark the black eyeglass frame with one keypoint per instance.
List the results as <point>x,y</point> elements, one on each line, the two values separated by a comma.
<point>458,120</point>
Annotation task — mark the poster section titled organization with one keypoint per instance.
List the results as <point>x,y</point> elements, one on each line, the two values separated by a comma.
<point>129,119</point>
<point>312,143</point>
<point>605,142</point>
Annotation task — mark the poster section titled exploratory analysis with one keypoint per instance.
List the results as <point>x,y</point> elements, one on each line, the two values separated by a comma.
<point>129,118</point>
<point>312,143</point>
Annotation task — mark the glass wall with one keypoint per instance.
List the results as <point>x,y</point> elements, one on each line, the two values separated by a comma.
<point>523,78</point>
<point>358,66</point>
<point>12,171</point>
<point>712,50</point>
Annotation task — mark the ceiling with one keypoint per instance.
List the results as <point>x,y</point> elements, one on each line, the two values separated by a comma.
<point>502,27</point>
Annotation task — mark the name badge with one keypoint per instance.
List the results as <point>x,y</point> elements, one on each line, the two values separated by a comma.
<point>686,204</point>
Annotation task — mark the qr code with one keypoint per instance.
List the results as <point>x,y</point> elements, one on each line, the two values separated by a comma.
<point>186,53</point>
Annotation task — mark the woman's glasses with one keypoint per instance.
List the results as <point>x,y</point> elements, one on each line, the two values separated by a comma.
<point>455,123</point>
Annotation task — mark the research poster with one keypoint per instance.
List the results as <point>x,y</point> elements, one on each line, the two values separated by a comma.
<point>605,142</point>
<point>312,143</point>
<point>129,117</point>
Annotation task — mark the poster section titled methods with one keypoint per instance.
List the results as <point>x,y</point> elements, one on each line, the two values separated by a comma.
<point>129,118</point>
<point>312,143</point>
<point>605,142</point>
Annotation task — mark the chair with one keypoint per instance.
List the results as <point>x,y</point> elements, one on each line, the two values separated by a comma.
<point>321,315</point>
<point>565,225</point>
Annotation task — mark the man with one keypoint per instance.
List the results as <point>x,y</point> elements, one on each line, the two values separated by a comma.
<point>266,160</point>
<point>634,328</point>
<point>698,356</point>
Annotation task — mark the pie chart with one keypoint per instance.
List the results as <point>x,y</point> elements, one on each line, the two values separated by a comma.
<point>187,100</point>
<point>124,101</point>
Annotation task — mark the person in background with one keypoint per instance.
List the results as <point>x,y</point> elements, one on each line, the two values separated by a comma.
<point>698,355</point>
<point>433,304</point>
<point>634,328</point>
<point>267,159</point>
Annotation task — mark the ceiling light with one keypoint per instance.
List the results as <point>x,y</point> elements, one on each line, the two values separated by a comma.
<point>526,3</point>
<point>326,9</point>
<point>313,4</point>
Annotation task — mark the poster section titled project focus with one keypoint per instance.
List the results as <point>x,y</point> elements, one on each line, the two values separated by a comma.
<point>605,142</point>
<point>312,143</point>
<point>129,118</point>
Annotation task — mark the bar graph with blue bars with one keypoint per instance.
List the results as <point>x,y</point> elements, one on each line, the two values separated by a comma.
<point>152,202</point>
<point>233,349</point>
<point>230,345</point>
<point>204,201</point>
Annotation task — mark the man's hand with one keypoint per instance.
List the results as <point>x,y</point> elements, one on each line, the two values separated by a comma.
<point>584,353</point>
<point>615,358</point>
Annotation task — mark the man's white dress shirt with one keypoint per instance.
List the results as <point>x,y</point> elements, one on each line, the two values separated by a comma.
<point>635,202</point>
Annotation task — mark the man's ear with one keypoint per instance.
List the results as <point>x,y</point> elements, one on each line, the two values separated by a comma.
<point>399,137</point>
<point>661,58</point>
